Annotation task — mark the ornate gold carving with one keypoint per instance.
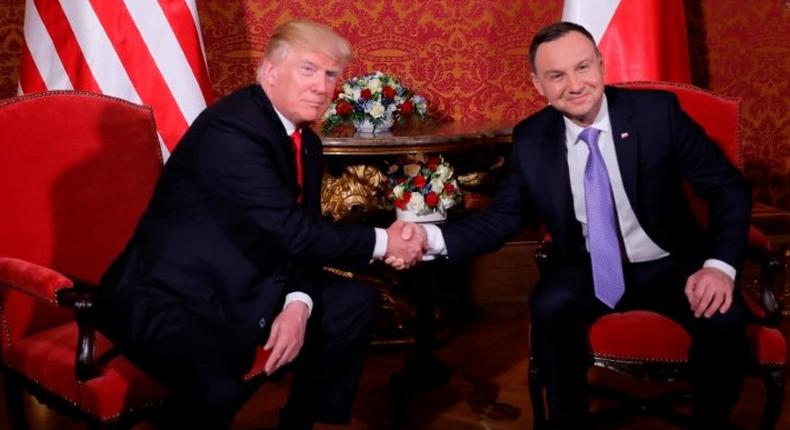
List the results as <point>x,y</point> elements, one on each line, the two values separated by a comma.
<point>359,188</point>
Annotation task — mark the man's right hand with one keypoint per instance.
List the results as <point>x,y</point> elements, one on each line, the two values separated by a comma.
<point>406,243</point>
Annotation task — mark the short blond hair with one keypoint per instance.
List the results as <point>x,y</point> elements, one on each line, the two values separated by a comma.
<point>308,35</point>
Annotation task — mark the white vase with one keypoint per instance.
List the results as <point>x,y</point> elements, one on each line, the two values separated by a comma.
<point>411,216</point>
<point>365,126</point>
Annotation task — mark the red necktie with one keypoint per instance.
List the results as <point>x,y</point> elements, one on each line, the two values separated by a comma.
<point>296,136</point>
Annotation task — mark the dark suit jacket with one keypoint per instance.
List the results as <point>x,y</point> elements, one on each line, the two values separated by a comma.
<point>663,146</point>
<point>223,238</point>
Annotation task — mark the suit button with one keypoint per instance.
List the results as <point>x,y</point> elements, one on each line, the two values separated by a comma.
<point>262,323</point>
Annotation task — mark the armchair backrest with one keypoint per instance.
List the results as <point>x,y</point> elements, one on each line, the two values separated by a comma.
<point>76,171</point>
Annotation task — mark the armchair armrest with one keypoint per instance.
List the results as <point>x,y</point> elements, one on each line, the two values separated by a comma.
<point>762,252</point>
<point>36,281</point>
<point>50,286</point>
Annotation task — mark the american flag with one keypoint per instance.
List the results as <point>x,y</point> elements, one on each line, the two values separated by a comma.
<point>145,51</point>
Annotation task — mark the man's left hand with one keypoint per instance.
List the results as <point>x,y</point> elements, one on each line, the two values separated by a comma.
<point>709,290</point>
<point>287,336</point>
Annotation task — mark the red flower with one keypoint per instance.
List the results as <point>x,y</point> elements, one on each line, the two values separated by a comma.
<point>388,92</point>
<point>420,181</point>
<point>338,90</point>
<point>343,108</point>
<point>406,108</point>
<point>365,94</point>
<point>432,199</point>
<point>449,188</point>
<point>402,179</point>
<point>432,163</point>
<point>403,200</point>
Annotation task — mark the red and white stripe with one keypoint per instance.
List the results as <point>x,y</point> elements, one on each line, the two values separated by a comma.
<point>640,40</point>
<point>145,51</point>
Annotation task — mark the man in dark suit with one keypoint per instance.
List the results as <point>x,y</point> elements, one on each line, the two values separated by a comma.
<point>604,168</point>
<point>228,253</point>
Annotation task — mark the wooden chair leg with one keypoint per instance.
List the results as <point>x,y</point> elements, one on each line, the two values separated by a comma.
<point>14,394</point>
<point>540,420</point>
<point>774,396</point>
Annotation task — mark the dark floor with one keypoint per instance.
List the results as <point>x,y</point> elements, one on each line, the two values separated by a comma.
<point>486,389</point>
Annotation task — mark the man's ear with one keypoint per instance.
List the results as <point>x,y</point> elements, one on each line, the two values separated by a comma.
<point>268,73</point>
<point>536,84</point>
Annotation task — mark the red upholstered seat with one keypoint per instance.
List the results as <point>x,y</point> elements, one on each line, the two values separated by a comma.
<point>120,386</point>
<point>657,339</point>
<point>76,172</point>
<point>648,345</point>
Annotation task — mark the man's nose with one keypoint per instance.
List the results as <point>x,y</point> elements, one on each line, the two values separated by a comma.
<point>320,85</point>
<point>574,83</point>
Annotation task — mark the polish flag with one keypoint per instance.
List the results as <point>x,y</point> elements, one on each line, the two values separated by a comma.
<point>640,40</point>
<point>145,51</point>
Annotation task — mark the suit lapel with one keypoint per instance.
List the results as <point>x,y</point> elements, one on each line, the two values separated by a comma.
<point>555,164</point>
<point>313,170</point>
<point>626,141</point>
<point>282,148</point>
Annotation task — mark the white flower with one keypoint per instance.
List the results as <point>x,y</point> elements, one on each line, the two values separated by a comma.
<point>416,203</point>
<point>437,185</point>
<point>444,172</point>
<point>329,112</point>
<point>446,202</point>
<point>377,110</point>
<point>397,191</point>
<point>374,85</point>
<point>355,93</point>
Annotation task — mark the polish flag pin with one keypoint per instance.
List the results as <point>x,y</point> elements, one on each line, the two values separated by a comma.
<point>623,135</point>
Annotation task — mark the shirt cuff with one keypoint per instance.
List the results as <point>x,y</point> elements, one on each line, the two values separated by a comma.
<point>724,267</point>
<point>380,248</point>
<point>436,245</point>
<point>298,296</point>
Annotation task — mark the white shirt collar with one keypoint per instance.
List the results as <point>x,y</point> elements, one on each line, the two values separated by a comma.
<point>601,122</point>
<point>289,126</point>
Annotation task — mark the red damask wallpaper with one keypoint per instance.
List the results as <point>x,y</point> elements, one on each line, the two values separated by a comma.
<point>468,57</point>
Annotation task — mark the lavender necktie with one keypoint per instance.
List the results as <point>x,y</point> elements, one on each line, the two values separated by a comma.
<point>607,266</point>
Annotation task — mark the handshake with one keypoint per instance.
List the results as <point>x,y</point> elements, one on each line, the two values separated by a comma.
<point>406,244</point>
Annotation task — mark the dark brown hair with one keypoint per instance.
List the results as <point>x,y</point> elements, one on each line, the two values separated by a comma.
<point>553,32</point>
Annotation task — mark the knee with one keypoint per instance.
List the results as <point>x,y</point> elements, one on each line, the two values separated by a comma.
<point>364,298</point>
<point>354,305</point>
<point>732,322</point>
<point>547,304</point>
<point>223,395</point>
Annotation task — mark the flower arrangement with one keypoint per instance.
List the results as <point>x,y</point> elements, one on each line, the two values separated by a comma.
<point>376,98</point>
<point>424,187</point>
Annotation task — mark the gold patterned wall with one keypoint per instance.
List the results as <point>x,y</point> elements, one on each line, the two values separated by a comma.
<point>468,57</point>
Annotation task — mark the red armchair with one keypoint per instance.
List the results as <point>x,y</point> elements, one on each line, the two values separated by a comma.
<point>76,172</point>
<point>647,345</point>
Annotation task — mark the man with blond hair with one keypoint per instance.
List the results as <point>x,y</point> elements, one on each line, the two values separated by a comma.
<point>228,254</point>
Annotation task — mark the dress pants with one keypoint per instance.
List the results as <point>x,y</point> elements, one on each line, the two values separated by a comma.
<point>330,366</point>
<point>202,367</point>
<point>563,306</point>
